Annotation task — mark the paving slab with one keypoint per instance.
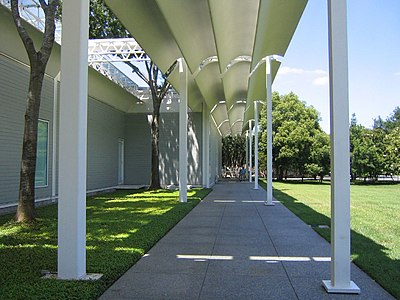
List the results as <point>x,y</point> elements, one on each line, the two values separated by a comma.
<point>232,246</point>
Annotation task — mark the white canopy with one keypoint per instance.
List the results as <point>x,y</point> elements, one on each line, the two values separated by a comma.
<point>222,41</point>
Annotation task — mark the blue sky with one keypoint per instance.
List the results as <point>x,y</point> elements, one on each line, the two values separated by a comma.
<point>374,59</point>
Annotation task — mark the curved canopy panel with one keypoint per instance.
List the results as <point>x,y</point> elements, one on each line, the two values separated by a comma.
<point>236,128</point>
<point>220,117</point>
<point>277,21</point>
<point>235,83</point>
<point>234,25</point>
<point>235,114</point>
<point>222,42</point>
<point>147,25</point>
<point>190,24</point>
<point>210,84</point>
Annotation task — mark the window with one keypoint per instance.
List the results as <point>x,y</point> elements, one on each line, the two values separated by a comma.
<point>42,154</point>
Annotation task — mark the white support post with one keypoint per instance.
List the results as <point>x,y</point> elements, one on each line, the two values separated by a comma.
<point>340,158</point>
<point>256,145</point>
<point>183,123</point>
<point>250,152</point>
<point>54,159</point>
<point>206,146</point>
<point>72,144</point>
<point>268,79</point>
<point>247,153</point>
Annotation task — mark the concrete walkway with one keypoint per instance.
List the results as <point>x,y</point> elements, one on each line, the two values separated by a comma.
<point>231,246</point>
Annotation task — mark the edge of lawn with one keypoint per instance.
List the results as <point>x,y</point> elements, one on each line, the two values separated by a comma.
<point>119,233</point>
<point>384,280</point>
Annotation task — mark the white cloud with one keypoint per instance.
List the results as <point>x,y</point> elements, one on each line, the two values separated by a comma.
<point>289,70</point>
<point>321,81</point>
<point>299,71</point>
<point>320,72</point>
<point>317,77</point>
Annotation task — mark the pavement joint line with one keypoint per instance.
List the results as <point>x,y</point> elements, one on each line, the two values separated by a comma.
<point>292,266</point>
<point>212,251</point>
<point>276,250</point>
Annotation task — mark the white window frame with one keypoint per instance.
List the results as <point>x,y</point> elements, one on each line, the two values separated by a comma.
<point>47,154</point>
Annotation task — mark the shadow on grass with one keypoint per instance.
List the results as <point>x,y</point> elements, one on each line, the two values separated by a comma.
<point>121,227</point>
<point>366,253</point>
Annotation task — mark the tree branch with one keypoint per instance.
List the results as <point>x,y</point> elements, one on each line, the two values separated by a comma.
<point>164,89</point>
<point>43,4</point>
<point>26,39</point>
<point>171,69</point>
<point>155,75</point>
<point>149,66</point>
<point>49,29</point>
<point>138,72</point>
<point>166,85</point>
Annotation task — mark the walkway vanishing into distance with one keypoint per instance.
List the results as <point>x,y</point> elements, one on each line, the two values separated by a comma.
<point>231,246</point>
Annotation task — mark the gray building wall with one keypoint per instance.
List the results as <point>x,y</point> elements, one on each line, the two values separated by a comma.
<point>195,144</point>
<point>138,148</point>
<point>13,93</point>
<point>215,154</point>
<point>107,123</point>
<point>105,128</point>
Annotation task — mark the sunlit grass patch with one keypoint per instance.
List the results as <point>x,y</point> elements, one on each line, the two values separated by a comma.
<point>121,227</point>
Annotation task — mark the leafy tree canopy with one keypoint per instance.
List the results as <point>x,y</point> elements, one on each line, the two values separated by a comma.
<point>299,144</point>
<point>103,23</point>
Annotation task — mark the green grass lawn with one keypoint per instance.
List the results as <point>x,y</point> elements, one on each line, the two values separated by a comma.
<point>375,223</point>
<point>121,227</point>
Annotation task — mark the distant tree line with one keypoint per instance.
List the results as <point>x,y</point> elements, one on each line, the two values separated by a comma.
<point>301,148</point>
<point>233,151</point>
<point>375,151</point>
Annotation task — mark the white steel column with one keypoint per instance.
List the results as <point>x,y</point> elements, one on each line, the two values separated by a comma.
<point>206,146</point>
<point>340,157</point>
<point>247,153</point>
<point>183,122</point>
<point>250,152</point>
<point>269,129</point>
<point>72,145</point>
<point>54,160</point>
<point>256,145</point>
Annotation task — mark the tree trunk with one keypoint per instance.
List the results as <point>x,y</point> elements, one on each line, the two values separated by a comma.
<point>26,200</point>
<point>155,134</point>
<point>38,61</point>
<point>280,173</point>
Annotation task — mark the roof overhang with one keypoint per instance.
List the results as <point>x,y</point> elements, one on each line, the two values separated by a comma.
<point>222,42</point>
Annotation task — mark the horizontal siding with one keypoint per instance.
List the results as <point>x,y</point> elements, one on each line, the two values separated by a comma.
<point>138,149</point>
<point>13,93</point>
<point>169,148</point>
<point>106,125</point>
<point>105,128</point>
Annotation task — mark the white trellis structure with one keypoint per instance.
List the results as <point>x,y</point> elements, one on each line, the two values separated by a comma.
<point>125,49</point>
<point>102,53</point>
<point>32,12</point>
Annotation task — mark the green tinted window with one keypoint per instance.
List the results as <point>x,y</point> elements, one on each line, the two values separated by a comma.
<point>41,154</point>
